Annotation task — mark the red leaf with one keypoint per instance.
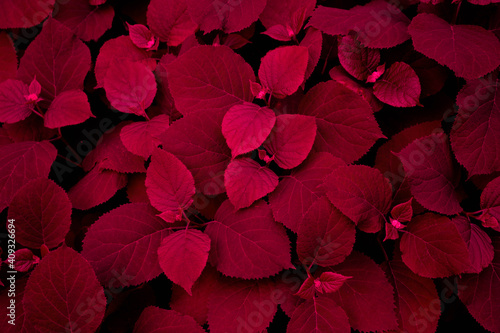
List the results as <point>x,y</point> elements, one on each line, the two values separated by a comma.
<point>164,97</point>
<point>70,107</point>
<point>8,58</point>
<point>122,244</point>
<point>58,290</point>
<point>183,255</point>
<point>280,32</point>
<point>307,290</point>
<point>198,142</point>
<point>21,162</point>
<point>490,199</point>
<point>141,138</point>
<point>248,243</point>
<point>474,135</point>
<point>246,126</point>
<point>390,165</point>
<point>291,13</point>
<point>346,125</point>
<point>362,194</point>
<point>170,20</point>
<point>227,15</point>
<point>209,77</point>
<point>86,21</point>
<point>313,40</point>
<point>118,50</point>
<point>295,193</point>
<point>379,24</point>
<point>431,173</point>
<point>402,212</point>
<point>319,315</point>
<point>325,235</point>
<point>339,75</point>
<point>25,260</point>
<point>24,13</point>
<point>242,306</point>
<point>29,129</point>
<point>170,185</point>
<point>42,212</point>
<point>328,282</point>
<point>480,292</point>
<point>414,295</point>
<point>247,181</point>
<point>399,86</point>
<point>14,106</point>
<point>142,37</point>
<point>154,319</point>
<point>95,188</point>
<point>478,242</point>
<point>50,55</point>
<point>196,305</point>
<point>367,289</point>
<point>291,139</point>
<point>432,247</point>
<point>357,60</point>
<point>282,70</point>
<point>111,154</point>
<point>130,87</point>
<point>469,50</point>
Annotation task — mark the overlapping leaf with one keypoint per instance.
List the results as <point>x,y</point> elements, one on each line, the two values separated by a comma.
<point>170,185</point>
<point>432,247</point>
<point>366,290</point>
<point>474,138</point>
<point>42,212</point>
<point>183,255</point>
<point>469,50</point>
<point>346,125</point>
<point>247,181</point>
<point>88,22</point>
<point>58,290</point>
<point>96,187</point>
<point>325,236</point>
<point>296,192</point>
<point>198,142</point>
<point>291,139</point>
<point>50,55</point>
<point>21,162</point>
<point>379,24</point>
<point>480,291</point>
<point>362,194</point>
<point>431,173</point>
<point>209,77</point>
<point>123,244</point>
<point>248,243</point>
<point>246,126</point>
<point>170,21</point>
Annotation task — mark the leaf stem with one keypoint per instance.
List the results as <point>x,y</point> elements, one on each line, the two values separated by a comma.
<point>379,241</point>
<point>455,16</point>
